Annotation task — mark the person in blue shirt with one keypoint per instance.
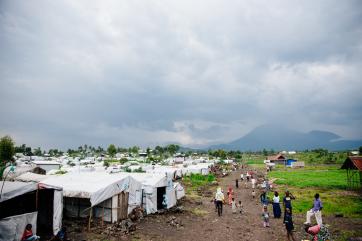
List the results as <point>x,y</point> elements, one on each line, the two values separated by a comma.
<point>315,211</point>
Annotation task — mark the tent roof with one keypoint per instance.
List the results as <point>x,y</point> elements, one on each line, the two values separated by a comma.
<point>31,177</point>
<point>46,162</point>
<point>150,179</point>
<point>96,186</point>
<point>14,189</point>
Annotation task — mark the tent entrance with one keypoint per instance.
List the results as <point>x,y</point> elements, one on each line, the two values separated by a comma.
<point>45,212</point>
<point>160,192</point>
<point>122,206</point>
<point>25,203</point>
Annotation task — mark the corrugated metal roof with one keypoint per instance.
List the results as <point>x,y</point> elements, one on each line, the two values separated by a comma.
<point>357,161</point>
<point>353,162</point>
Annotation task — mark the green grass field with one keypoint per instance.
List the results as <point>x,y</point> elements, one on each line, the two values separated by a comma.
<point>195,181</point>
<point>316,176</point>
<point>329,181</point>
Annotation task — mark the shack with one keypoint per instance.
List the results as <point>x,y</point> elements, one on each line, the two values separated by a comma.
<point>353,165</point>
<point>47,165</point>
<point>277,159</point>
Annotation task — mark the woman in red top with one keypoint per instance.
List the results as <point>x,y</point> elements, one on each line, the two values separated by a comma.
<point>230,195</point>
<point>28,234</point>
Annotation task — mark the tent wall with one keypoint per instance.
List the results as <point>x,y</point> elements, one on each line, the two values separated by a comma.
<point>57,211</point>
<point>76,207</point>
<point>12,228</point>
<point>170,194</point>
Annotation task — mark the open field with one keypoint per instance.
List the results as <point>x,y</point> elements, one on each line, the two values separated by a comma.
<point>328,181</point>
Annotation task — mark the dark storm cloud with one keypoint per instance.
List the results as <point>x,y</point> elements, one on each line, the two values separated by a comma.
<point>189,72</point>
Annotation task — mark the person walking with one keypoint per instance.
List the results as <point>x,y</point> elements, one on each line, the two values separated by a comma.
<point>237,183</point>
<point>242,176</point>
<point>233,206</point>
<point>265,216</point>
<point>276,205</point>
<point>263,198</point>
<point>219,197</point>
<point>288,221</point>
<point>253,182</point>
<point>230,194</point>
<point>315,211</point>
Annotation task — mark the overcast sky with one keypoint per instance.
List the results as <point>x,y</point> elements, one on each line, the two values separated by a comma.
<point>189,72</point>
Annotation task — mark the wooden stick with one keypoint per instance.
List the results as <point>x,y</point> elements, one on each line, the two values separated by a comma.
<point>90,218</point>
<point>102,215</point>
<point>36,199</point>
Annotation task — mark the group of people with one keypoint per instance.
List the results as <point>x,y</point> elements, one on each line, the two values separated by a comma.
<point>316,210</point>
<point>219,200</point>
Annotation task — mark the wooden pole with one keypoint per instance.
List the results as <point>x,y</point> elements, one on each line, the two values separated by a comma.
<point>36,199</point>
<point>103,216</point>
<point>90,218</point>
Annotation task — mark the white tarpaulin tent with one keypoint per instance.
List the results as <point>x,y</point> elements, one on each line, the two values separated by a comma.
<point>96,186</point>
<point>170,171</point>
<point>101,189</point>
<point>14,189</point>
<point>154,184</point>
<point>12,228</point>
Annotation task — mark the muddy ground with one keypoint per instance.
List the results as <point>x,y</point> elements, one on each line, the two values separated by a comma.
<point>199,221</point>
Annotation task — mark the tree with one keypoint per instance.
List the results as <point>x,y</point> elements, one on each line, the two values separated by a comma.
<point>360,150</point>
<point>37,152</point>
<point>148,151</point>
<point>112,150</point>
<point>172,148</point>
<point>7,150</point>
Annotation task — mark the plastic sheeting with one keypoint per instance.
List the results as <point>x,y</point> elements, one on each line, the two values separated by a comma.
<point>98,187</point>
<point>170,193</point>
<point>30,177</point>
<point>57,211</point>
<point>14,189</point>
<point>12,228</point>
<point>179,190</point>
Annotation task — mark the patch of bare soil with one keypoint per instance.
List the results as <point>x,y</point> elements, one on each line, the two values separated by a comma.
<point>197,220</point>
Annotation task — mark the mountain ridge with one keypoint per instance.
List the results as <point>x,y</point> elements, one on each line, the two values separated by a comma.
<point>280,138</point>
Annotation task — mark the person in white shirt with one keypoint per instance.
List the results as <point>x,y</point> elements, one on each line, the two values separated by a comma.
<point>253,181</point>
<point>219,197</point>
<point>242,177</point>
<point>276,205</point>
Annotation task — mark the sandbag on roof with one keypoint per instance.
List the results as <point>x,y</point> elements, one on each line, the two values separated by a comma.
<point>31,177</point>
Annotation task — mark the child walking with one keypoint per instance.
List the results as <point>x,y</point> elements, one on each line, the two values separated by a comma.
<point>265,216</point>
<point>289,224</point>
<point>233,205</point>
<point>240,207</point>
<point>253,193</point>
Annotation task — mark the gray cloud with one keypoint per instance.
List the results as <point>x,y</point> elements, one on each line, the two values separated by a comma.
<point>192,73</point>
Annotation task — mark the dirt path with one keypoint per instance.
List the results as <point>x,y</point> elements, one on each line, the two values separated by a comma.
<point>247,226</point>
